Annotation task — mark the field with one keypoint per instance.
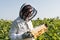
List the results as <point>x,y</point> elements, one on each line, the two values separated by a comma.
<point>53,32</point>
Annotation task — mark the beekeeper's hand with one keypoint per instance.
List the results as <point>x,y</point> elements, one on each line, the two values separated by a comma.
<point>27,35</point>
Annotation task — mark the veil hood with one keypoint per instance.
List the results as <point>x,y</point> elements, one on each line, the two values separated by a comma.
<point>34,11</point>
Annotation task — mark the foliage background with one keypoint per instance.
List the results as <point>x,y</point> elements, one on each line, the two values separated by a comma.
<point>53,32</point>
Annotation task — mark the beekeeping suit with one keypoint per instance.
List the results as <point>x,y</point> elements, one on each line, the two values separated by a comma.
<point>20,28</point>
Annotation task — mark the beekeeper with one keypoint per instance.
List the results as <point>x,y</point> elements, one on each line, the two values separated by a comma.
<point>20,28</point>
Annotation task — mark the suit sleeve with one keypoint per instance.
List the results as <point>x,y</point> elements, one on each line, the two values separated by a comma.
<point>13,32</point>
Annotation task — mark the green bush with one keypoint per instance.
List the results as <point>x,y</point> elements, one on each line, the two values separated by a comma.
<point>53,32</point>
<point>4,29</point>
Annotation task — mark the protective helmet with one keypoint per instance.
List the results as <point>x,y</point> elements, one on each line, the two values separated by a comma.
<point>25,10</point>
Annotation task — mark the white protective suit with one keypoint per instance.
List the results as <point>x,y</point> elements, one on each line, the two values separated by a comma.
<point>18,28</point>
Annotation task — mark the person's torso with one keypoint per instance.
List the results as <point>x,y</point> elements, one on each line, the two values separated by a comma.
<point>23,26</point>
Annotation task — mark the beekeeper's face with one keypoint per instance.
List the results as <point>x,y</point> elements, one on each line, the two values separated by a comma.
<point>27,12</point>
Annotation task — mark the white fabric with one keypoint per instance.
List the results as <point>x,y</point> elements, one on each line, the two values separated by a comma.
<point>18,27</point>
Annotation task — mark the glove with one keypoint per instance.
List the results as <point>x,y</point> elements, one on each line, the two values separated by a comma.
<point>27,35</point>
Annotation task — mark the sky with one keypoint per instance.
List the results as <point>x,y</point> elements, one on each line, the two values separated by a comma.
<point>9,9</point>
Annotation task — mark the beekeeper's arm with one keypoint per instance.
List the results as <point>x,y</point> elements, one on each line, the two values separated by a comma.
<point>13,32</point>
